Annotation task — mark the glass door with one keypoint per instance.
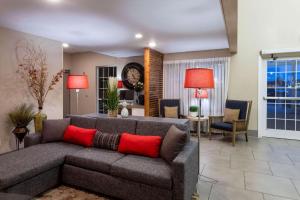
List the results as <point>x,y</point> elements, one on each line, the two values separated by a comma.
<point>280,89</point>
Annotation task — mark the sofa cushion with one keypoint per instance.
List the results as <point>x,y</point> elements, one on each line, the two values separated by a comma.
<point>149,171</point>
<point>106,140</point>
<point>20,165</point>
<point>172,144</point>
<point>53,129</point>
<point>157,127</point>
<point>80,136</point>
<point>140,145</point>
<point>83,122</point>
<point>115,125</point>
<point>222,126</point>
<point>94,159</point>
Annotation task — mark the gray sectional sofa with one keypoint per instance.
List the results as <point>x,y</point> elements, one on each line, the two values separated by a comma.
<point>40,167</point>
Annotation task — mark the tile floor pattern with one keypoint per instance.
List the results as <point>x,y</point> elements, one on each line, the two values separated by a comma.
<point>262,169</point>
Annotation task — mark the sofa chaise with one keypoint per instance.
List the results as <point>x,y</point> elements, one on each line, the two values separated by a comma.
<point>42,166</point>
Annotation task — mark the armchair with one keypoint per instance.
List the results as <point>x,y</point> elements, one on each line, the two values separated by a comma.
<point>237,126</point>
<point>170,103</point>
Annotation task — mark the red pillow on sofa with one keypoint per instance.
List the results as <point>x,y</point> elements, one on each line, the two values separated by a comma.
<point>140,145</point>
<point>80,136</point>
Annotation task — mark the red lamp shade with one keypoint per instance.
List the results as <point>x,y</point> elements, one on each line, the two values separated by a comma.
<point>199,78</point>
<point>120,84</point>
<point>201,93</point>
<point>78,82</point>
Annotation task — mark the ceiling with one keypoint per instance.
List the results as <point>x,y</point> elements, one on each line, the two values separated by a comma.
<point>109,26</point>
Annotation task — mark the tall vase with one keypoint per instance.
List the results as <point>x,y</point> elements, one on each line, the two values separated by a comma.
<point>39,117</point>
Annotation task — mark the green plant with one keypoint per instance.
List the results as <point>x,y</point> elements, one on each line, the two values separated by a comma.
<point>193,108</point>
<point>21,116</point>
<point>112,95</point>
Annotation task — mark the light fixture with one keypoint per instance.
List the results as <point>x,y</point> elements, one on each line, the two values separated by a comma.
<point>152,44</point>
<point>77,82</point>
<point>138,36</point>
<point>65,45</point>
<point>54,1</point>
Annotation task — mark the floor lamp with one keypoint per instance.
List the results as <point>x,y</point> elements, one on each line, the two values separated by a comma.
<point>199,78</point>
<point>77,82</point>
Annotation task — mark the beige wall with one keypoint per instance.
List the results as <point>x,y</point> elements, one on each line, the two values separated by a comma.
<point>13,89</point>
<point>262,24</point>
<point>87,62</point>
<point>67,64</point>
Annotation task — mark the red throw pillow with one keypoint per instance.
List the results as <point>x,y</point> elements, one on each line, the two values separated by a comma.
<point>140,145</point>
<point>80,136</point>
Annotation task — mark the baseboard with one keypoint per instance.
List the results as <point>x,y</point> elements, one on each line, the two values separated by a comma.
<point>253,133</point>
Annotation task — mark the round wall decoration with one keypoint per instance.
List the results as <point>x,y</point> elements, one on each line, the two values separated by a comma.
<point>132,73</point>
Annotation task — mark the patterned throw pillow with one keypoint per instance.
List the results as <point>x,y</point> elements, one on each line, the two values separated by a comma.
<point>106,140</point>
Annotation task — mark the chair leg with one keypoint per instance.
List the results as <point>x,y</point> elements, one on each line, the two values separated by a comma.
<point>233,139</point>
<point>209,133</point>
<point>246,135</point>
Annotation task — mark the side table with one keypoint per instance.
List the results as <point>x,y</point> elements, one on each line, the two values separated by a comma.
<point>203,120</point>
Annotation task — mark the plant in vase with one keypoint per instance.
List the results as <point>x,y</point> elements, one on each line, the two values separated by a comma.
<point>194,111</point>
<point>19,118</point>
<point>32,67</point>
<point>139,86</point>
<point>112,97</point>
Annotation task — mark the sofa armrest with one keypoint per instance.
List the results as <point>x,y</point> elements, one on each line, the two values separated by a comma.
<point>32,139</point>
<point>185,171</point>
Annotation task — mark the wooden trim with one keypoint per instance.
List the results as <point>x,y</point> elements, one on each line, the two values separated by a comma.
<point>197,54</point>
<point>146,80</point>
<point>230,13</point>
<point>153,81</point>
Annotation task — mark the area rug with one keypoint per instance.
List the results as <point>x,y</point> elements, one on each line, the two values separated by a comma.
<point>67,193</point>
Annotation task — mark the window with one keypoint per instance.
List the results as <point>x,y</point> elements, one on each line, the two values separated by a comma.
<point>103,73</point>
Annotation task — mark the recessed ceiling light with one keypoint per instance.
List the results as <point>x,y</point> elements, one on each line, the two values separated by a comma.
<point>65,45</point>
<point>152,44</point>
<point>54,1</point>
<point>138,36</point>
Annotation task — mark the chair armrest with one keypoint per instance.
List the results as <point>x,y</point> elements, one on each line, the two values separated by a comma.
<point>212,118</point>
<point>185,171</point>
<point>32,139</point>
<point>240,125</point>
<point>216,116</point>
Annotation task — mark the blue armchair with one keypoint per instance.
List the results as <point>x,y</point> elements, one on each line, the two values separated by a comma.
<point>237,126</point>
<point>169,103</point>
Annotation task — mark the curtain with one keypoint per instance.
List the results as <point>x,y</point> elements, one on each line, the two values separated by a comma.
<point>173,85</point>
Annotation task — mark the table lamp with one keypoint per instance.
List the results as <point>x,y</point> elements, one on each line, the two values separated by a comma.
<point>201,94</point>
<point>77,82</point>
<point>120,84</point>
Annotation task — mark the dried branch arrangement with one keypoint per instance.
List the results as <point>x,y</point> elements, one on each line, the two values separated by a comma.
<point>32,67</point>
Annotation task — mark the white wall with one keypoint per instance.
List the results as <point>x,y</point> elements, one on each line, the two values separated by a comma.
<point>13,90</point>
<point>262,24</point>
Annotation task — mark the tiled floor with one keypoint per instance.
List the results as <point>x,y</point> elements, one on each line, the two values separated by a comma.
<point>262,169</point>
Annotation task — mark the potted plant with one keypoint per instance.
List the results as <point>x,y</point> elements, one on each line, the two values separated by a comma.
<point>194,111</point>
<point>19,118</point>
<point>32,62</point>
<point>112,97</point>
